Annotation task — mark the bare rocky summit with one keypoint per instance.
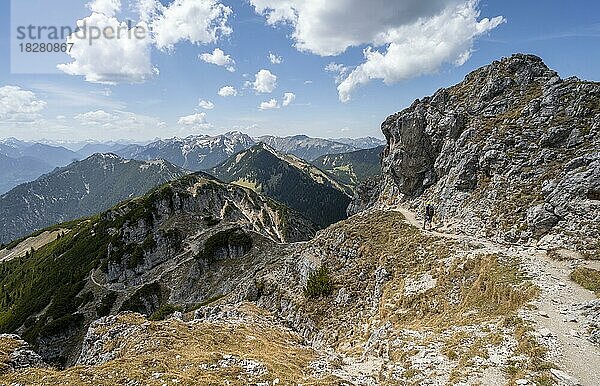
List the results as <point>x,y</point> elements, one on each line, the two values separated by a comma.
<point>511,152</point>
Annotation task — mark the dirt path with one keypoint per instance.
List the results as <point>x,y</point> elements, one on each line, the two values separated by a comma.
<point>557,316</point>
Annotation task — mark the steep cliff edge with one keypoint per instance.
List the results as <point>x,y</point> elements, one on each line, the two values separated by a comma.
<point>511,152</point>
<point>182,245</point>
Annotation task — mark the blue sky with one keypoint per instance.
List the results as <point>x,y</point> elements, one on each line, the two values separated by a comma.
<point>567,37</point>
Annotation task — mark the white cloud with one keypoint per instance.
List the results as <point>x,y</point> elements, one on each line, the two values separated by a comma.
<point>227,91</point>
<point>339,69</point>
<point>335,67</point>
<point>195,120</point>
<point>275,59</point>
<point>265,82</point>
<point>308,82</point>
<point>110,61</point>
<point>107,7</point>
<point>198,21</point>
<point>98,117</point>
<point>417,36</point>
<point>118,121</point>
<point>272,104</point>
<point>421,48</point>
<point>288,98</point>
<point>207,105</point>
<point>218,58</point>
<point>125,58</point>
<point>17,104</point>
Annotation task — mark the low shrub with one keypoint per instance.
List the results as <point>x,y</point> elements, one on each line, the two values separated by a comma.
<point>319,284</point>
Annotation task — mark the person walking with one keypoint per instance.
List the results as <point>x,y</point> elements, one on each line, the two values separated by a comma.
<point>429,213</point>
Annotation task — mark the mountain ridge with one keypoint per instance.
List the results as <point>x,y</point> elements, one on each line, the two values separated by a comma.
<point>282,177</point>
<point>77,190</point>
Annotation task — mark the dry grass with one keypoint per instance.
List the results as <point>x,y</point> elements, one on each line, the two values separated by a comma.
<point>190,354</point>
<point>471,290</point>
<point>7,346</point>
<point>587,278</point>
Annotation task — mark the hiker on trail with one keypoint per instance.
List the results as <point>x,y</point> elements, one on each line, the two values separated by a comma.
<point>429,213</point>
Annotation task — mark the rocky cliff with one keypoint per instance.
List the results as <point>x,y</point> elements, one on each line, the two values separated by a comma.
<point>189,242</point>
<point>511,152</point>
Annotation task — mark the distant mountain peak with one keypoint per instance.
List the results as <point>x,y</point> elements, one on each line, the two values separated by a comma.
<point>79,189</point>
<point>288,179</point>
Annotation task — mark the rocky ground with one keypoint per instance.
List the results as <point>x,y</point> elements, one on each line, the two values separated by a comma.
<point>516,319</point>
<point>564,315</point>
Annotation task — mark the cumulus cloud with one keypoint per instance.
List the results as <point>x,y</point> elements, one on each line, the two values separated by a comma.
<point>197,21</point>
<point>123,57</point>
<point>196,120</point>
<point>288,98</point>
<point>272,104</point>
<point>218,58</point>
<point>110,61</point>
<point>227,91</point>
<point>421,48</point>
<point>207,105</point>
<point>275,59</point>
<point>404,38</point>
<point>265,82</point>
<point>17,104</point>
<point>106,7</point>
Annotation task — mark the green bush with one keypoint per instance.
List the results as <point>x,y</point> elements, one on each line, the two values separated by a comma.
<point>164,311</point>
<point>319,284</point>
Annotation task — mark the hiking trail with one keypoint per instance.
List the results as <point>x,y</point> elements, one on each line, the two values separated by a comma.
<point>557,313</point>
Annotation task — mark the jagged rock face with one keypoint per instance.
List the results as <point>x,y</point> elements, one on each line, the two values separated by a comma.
<point>512,151</point>
<point>183,244</point>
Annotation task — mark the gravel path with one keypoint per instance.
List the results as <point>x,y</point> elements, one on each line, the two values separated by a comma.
<point>558,313</point>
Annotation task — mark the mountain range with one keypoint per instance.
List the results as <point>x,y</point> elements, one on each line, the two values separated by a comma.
<point>22,161</point>
<point>289,180</point>
<point>204,152</point>
<point>29,160</point>
<point>309,148</point>
<point>77,190</point>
